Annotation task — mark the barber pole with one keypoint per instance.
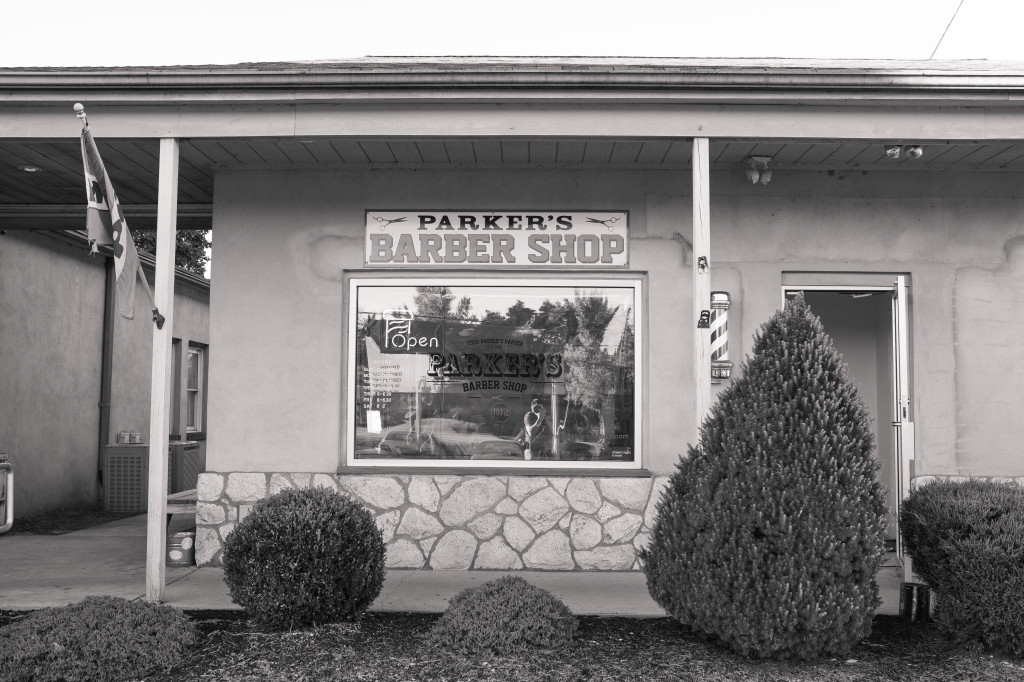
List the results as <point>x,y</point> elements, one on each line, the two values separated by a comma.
<point>721,368</point>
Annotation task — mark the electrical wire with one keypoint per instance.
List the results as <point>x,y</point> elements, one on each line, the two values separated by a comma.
<point>952,19</point>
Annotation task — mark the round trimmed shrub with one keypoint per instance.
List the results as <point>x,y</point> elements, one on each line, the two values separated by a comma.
<point>966,539</point>
<point>503,616</point>
<point>770,532</point>
<point>99,638</point>
<point>305,557</point>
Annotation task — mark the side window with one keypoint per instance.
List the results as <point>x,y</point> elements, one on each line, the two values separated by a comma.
<point>195,394</point>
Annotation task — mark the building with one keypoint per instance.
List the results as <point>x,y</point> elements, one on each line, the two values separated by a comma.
<point>76,374</point>
<point>410,251</point>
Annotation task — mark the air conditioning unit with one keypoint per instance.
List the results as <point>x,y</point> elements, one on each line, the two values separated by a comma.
<point>125,478</point>
<point>187,461</point>
<point>126,473</point>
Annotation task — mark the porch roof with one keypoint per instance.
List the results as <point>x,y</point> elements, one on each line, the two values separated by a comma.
<point>491,112</point>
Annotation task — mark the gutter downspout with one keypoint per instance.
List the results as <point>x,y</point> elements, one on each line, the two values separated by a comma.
<point>106,371</point>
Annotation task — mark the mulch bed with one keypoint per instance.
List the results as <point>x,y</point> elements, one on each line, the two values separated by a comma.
<point>388,647</point>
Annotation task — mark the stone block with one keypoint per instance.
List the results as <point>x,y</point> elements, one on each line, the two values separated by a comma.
<point>470,498</point>
<point>424,493</point>
<point>208,544</point>
<point>628,493</point>
<point>446,483</point>
<point>622,528</point>
<point>455,550</point>
<point>325,481</point>
<point>208,514</point>
<point>520,487</point>
<point>485,526</point>
<point>607,512</point>
<point>403,553</point>
<point>226,530</point>
<point>418,524</point>
<point>616,558</point>
<point>658,488</point>
<point>507,507</point>
<point>583,495</point>
<point>559,483</point>
<point>210,487</point>
<point>382,492</point>
<point>584,532</point>
<point>246,487</point>
<point>302,481</point>
<point>518,533</point>
<point>543,509</point>
<point>386,524</point>
<point>278,482</point>
<point>496,555</point>
<point>550,552</point>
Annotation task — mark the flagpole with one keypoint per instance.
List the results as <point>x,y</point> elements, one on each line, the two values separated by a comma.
<point>157,317</point>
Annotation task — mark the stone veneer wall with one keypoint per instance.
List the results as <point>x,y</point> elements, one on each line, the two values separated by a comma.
<point>558,523</point>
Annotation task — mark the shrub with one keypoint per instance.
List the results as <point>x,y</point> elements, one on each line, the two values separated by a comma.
<point>305,557</point>
<point>966,539</point>
<point>99,638</point>
<point>503,616</point>
<point>771,530</point>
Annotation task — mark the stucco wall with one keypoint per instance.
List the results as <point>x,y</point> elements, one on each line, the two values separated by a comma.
<point>51,333</point>
<point>51,340</point>
<point>285,238</point>
<point>133,350</point>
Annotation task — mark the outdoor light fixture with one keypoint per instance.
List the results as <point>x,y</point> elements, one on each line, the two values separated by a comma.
<point>30,169</point>
<point>913,151</point>
<point>757,169</point>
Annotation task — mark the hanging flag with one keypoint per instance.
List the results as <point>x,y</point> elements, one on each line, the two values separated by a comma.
<point>106,225</point>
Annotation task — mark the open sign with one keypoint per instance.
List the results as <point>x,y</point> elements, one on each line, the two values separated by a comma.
<point>500,412</point>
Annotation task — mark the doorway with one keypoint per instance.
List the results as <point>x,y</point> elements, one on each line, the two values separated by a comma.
<point>868,326</point>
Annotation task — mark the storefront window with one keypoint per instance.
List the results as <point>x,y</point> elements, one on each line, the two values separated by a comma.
<point>497,372</point>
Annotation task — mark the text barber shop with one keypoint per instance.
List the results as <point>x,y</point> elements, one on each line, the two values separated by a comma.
<point>470,338</point>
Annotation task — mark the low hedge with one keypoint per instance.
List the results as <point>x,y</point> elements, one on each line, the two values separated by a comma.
<point>503,616</point>
<point>99,638</point>
<point>966,539</point>
<point>305,557</point>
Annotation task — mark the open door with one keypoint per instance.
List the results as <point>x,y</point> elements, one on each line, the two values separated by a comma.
<point>867,320</point>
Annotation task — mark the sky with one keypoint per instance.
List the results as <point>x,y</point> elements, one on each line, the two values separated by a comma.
<point>140,33</point>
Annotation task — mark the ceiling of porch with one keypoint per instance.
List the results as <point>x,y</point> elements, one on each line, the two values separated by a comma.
<point>56,188</point>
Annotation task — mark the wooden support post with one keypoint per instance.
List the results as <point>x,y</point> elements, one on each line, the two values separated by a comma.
<point>701,280</point>
<point>160,392</point>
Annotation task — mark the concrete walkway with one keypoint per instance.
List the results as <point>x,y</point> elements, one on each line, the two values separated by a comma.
<point>40,571</point>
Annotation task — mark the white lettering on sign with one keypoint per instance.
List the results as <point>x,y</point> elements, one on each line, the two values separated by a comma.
<point>424,238</point>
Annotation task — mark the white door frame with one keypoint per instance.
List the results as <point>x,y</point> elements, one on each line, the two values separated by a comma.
<point>903,424</point>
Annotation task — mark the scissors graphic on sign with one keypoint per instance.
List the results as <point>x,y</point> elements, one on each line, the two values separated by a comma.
<point>384,222</point>
<point>607,223</point>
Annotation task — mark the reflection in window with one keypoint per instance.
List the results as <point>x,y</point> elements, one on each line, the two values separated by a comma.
<point>496,372</point>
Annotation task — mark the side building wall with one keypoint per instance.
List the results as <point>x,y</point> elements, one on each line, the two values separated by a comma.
<point>51,346</point>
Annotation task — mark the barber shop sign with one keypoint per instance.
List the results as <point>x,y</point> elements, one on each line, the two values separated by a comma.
<point>584,239</point>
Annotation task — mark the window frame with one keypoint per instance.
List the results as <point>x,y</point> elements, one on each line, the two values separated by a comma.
<point>637,281</point>
<point>199,391</point>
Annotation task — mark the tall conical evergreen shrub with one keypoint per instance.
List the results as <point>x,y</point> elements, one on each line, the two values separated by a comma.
<point>771,530</point>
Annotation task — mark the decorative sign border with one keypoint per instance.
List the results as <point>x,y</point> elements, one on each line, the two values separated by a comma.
<point>509,239</point>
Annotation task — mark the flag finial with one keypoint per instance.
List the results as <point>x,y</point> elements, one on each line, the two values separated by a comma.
<point>80,113</point>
